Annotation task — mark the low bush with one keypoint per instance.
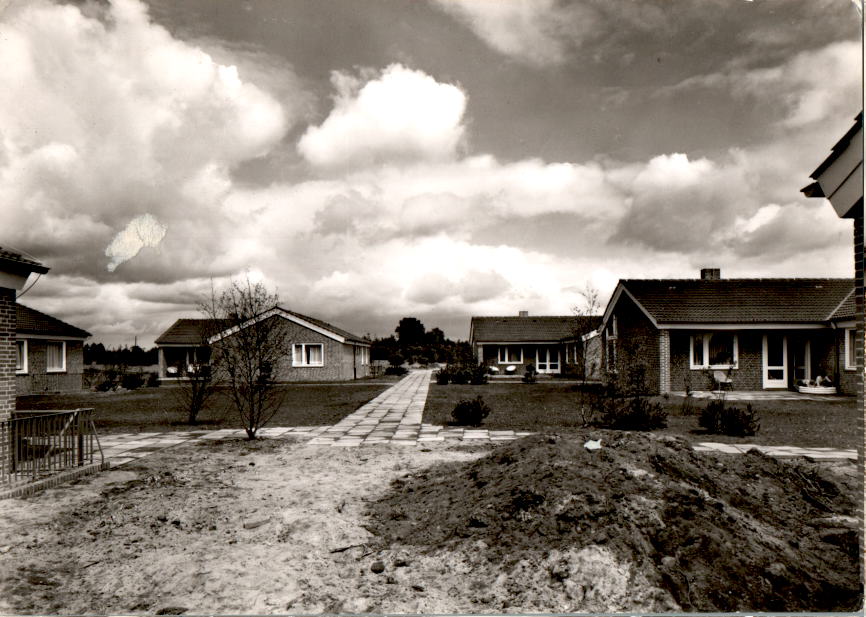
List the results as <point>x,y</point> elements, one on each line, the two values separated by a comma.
<point>529,375</point>
<point>470,412</point>
<point>722,419</point>
<point>478,375</point>
<point>396,370</point>
<point>132,381</point>
<point>443,377</point>
<point>633,413</point>
<point>152,380</point>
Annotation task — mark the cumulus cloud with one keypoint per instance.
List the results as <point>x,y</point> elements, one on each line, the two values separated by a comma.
<point>799,98</point>
<point>141,231</point>
<point>402,114</point>
<point>394,216</point>
<point>120,118</point>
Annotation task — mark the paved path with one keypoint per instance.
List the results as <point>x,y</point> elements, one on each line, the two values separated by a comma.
<point>393,417</point>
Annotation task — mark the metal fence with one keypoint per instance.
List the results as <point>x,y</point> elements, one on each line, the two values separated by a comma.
<point>44,443</point>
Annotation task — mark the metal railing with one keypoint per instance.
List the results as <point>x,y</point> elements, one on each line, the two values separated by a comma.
<point>43,443</point>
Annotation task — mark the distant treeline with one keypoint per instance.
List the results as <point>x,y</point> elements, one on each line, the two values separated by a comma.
<point>414,343</point>
<point>120,356</point>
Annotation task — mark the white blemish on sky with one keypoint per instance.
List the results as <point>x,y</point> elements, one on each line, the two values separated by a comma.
<point>142,231</point>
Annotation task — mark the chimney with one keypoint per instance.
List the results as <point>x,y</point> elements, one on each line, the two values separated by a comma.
<point>523,314</point>
<point>711,274</point>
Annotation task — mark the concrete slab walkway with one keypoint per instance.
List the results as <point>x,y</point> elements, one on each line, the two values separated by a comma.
<point>394,417</point>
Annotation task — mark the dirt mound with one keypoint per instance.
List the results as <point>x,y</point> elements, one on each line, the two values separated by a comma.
<point>643,522</point>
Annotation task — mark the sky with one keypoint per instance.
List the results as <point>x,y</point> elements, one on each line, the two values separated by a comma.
<point>374,159</point>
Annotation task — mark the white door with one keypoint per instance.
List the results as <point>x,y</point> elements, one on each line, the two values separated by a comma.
<point>547,360</point>
<point>775,361</point>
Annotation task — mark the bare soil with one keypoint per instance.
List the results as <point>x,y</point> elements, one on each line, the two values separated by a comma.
<point>537,525</point>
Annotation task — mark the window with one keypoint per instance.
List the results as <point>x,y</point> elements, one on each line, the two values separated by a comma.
<point>850,349</point>
<point>55,356</point>
<point>714,350</point>
<point>308,354</point>
<point>21,356</point>
<point>510,355</point>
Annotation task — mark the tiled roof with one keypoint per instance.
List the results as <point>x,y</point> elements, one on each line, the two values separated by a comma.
<point>31,321</point>
<point>17,258</point>
<point>190,331</point>
<point>519,329</point>
<point>837,150</point>
<point>324,324</point>
<point>739,300</point>
<point>846,310</point>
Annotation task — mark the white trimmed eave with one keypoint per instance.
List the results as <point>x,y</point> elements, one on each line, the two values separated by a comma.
<point>277,311</point>
<point>48,337</point>
<point>620,289</point>
<point>744,326</point>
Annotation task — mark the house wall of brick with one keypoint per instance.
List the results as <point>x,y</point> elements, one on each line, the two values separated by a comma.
<point>38,380</point>
<point>592,361</point>
<point>490,357</point>
<point>749,374</point>
<point>8,353</point>
<point>338,357</point>
<point>637,343</point>
<point>858,303</point>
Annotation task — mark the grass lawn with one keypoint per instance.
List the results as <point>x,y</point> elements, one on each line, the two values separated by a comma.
<point>156,409</point>
<point>552,406</point>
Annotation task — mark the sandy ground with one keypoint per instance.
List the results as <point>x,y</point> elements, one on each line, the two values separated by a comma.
<point>284,527</point>
<point>224,528</point>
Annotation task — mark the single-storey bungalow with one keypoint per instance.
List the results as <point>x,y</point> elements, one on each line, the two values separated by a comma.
<point>320,351</point>
<point>749,334</point>
<point>49,353</point>
<point>552,344</point>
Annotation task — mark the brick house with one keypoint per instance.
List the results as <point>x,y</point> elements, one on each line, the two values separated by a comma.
<point>552,344</point>
<point>49,353</point>
<point>320,351</point>
<point>760,333</point>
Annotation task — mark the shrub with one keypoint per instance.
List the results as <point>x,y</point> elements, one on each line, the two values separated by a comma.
<point>396,370</point>
<point>460,375</point>
<point>633,413</point>
<point>152,380</point>
<point>529,375</point>
<point>470,412</point>
<point>443,377</point>
<point>131,381</point>
<point>719,418</point>
<point>104,385</point>
<point>478,375</point>
<point>710,415</point>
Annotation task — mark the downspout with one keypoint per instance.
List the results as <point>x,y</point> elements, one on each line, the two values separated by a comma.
<point>837,376</point>
<point>354,361</point>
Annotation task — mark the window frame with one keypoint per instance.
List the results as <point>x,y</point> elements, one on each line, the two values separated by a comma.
<point>24,357</point>
<point>705,350</point>
<point>505,348</point>
<point>850,349</point>
<point>303,356</point>
<point>62,368</point>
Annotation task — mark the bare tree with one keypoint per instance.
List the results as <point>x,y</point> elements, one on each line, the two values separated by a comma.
<point>199,374</point>
<point>249,350</point>
<point>590,306</point>
<point>590,303</point>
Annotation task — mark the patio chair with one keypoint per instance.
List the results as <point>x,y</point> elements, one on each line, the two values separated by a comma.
<point>723,379</point>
